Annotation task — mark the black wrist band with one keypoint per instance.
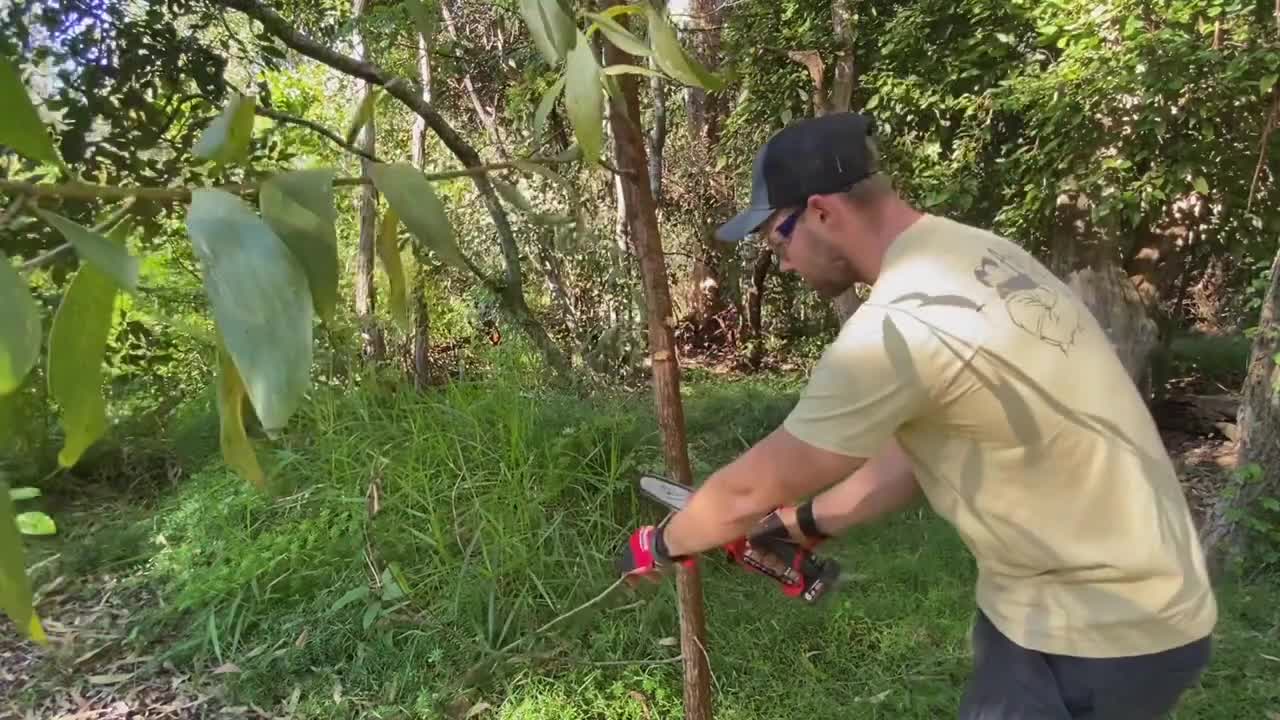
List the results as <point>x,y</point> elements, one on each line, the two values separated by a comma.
<point>808,526</point>
<point>660,552</point>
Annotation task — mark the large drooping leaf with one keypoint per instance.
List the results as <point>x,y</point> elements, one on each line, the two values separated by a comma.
<point>389,256</point>
<point>426,18</point>
<point>362,114</point>
<point>672,57</point>
<point>77,346</point>
<point>584,98</point>
<point>35,522</point>
<point>547,102</point>
<point>619,35</point>
<point>19,328</point>
<point>237,451</point>
<point>551,26</point>
<point>299,207</point>
<point>260,301</point>
<point>15,589</point>
<point>226,139</point>
<point>23,493</point>
<point>411,195</point>
<point>108,255</point>
<point>20,125</point>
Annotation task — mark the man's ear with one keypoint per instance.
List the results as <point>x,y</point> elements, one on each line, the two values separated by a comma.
<point>824,207</point>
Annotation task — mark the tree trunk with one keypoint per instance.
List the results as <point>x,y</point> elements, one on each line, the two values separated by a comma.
<point>1258,453</point>
<point>421,313</point>
<point>366,294</point>
<point>839,99</point>
<point>755,301</point>
<point>657,136</point>
<point>630,157</point>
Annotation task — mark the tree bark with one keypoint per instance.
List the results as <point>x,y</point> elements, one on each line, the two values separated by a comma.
<point>755,301</point>
<point>630,158</point>
<point>366,294</point>
<point>421,313</point>
<point>1258,453</point>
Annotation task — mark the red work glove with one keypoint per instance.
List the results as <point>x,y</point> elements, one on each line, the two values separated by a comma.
<point>644,555</point>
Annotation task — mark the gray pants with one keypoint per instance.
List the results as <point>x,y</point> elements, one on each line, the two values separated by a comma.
<point>1010,682</point>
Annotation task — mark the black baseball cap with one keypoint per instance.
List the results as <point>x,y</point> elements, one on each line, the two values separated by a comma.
<point>813,156</point>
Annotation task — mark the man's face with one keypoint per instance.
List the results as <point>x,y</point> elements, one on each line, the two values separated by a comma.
<point>801,243</point>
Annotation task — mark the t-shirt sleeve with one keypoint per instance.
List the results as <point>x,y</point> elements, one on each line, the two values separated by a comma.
<point>866,385</point>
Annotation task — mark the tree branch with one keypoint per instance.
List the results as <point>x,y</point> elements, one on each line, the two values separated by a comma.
<point>86,191</point>
<point>315,127</point>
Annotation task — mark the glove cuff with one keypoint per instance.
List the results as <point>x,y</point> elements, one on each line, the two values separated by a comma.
<point>661,555</point>
<point>808,525</point>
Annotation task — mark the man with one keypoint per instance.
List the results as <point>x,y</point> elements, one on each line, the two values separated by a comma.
<point>972,376</point>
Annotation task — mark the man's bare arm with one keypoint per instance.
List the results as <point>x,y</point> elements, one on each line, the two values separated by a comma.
<point>882,485</point>
<point>778,470</point>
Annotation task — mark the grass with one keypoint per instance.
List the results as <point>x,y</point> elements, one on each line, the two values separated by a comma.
<point>497,505</point>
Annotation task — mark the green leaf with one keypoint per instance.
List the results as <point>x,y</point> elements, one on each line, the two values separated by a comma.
<point>15,588</point>
<point>1267,82</point>
<point>412,196</point>
<point>389,255</point>
<point>370,614</point>
<point>544,108</point>
<point>672,58</point>
<point>20,124</point>
<point>619,35</point>
<point>19,328</point>
<point>299,207</point>
<point>260,301</point>
<point>362,114</point>
<point>35,523</point>
<point>551,26</point>
<point>632,69</point>
<point>614,11</point>
<point>350,596</point>
<point>1201,185</point>
<point>108,255</point>
<point>512,195</point>
<point>24,493</point>
<point>226,139</point>
<point>427,20</point>
<point>237,451</point>
<point>584,98</point>
<point>77,349</point>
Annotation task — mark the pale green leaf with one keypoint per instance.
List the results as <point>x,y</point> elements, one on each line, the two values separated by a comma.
<point>631,69</point>
<point>551,27</point>
<point>299,207</point>
<point>35,523</point>
<point>672,57</point>
<point>415,201</point>
<point>77,349</point>
<point>237,450</point>
<point>619,35</point>
<point>20,126</point>
<point>24,493</point>
<point>544,108</point>
<point>389,256</point>
<point>260,301</point>
<point>362,114</point>
<point>584,98</point>
<point>350,596</point>
<point>1201,185</point>
<point>226,139</point>
<point>19,328</point>
<point>425,19</point>
<point>370,614</point>
<point>15,588</point>
<point>1268,82</point>
<point>512,195</point>
<point>109,255</point>
<point>613,11</point>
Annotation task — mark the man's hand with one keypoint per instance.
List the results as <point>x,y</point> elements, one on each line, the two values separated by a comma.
<point>644,557</point>
<point>794,524</point>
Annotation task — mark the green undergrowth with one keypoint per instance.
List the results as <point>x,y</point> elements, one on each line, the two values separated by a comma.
<point>410,534</point>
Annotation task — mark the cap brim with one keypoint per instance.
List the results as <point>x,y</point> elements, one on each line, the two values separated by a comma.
<point>743,224</point>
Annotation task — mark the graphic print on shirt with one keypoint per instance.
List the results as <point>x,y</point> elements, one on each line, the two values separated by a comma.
<point>1031,297</point>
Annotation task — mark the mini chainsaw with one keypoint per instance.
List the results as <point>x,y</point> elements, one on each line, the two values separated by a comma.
<point>772,553</point>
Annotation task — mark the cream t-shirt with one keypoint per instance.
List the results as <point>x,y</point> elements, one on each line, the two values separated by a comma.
<point>1026,434</point>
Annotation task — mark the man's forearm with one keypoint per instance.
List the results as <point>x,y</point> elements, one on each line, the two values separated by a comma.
<point>883,485</point>
<point>734,499</point>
